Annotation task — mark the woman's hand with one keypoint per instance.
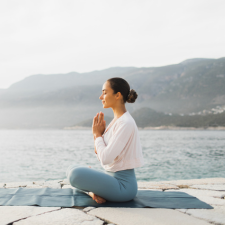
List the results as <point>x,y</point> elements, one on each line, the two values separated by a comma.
<point>98,126</point>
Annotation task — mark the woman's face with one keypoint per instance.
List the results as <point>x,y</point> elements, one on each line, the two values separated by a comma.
<point>108,97</point>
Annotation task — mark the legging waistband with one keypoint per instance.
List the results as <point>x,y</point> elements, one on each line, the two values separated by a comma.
<point>123,174</point>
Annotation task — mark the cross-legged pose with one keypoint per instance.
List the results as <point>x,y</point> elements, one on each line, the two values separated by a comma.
<point>117,147</point>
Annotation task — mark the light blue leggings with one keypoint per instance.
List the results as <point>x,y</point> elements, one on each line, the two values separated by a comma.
<point>120,186</point>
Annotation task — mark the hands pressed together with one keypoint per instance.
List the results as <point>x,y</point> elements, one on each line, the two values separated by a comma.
<point>98,128</point>
<point>99,124</point>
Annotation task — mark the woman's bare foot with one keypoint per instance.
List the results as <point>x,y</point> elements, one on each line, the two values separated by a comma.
<point>97,198</point>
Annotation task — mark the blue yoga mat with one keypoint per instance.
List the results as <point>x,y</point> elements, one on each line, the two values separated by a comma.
<point>50,197</point>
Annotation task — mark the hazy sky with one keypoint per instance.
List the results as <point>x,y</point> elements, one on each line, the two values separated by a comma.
<point>60,36</point>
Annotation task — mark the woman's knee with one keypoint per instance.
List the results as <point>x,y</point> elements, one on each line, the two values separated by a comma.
<point>72,167</point>
<point>76,175</point>
<point>69,168</point>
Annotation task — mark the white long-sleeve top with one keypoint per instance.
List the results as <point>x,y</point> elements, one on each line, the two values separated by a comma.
<point>120,148</point>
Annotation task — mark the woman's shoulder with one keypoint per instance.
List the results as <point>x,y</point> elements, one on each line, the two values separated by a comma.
<point>126,120</point>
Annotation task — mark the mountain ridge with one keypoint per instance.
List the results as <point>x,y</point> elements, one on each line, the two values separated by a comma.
<point>146,117</point>
<point>63,99</point>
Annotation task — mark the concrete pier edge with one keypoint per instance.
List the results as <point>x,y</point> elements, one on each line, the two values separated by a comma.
<point>209,190</point>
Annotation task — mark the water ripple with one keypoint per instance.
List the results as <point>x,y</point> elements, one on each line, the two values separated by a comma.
<point>31,155</point>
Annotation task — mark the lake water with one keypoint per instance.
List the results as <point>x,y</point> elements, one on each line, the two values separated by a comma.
<point>32,155</point>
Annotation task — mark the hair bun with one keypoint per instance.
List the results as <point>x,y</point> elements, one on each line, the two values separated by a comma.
<point>132,96</point>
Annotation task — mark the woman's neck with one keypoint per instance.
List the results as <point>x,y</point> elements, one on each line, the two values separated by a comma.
<point>118,112</point>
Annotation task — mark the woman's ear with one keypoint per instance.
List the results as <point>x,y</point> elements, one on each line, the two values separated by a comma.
<point>118,95</point>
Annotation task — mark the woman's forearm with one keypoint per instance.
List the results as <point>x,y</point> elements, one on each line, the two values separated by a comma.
<point>94,145</point>
<point>96,136</point>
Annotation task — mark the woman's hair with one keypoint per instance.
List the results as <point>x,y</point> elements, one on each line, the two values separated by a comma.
<point>120,85</point>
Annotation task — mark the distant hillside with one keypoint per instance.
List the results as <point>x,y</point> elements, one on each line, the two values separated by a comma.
<point>47,83</point>
<point>146,117</point>
<point>189,61</point>
<point>200,85</point>
<point>60,100</point>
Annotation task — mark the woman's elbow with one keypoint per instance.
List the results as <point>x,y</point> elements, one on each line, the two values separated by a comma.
<point>106,161</point>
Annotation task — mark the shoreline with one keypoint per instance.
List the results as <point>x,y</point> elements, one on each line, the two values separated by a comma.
<point>208,190</point>
<point>139,128</point>
<point>155,128</point>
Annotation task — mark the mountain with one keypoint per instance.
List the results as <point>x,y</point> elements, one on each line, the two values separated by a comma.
<point>46,83</point>
<point>200,86</point>
<point>146,117</point>
<point>60,100</point>
<point>189,61</point>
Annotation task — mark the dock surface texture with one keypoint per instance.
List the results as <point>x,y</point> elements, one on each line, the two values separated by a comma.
<point>209,190</point>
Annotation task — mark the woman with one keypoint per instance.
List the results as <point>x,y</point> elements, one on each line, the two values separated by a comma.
<point>118,149</point>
